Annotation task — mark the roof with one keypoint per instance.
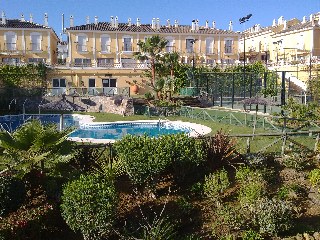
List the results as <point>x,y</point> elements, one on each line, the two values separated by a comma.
<point>124,27</point>
<point>297,27</point>
<point>16,23</point>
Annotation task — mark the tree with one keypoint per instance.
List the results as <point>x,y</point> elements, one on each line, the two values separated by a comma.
<point>34,146</point>
<point>151,50</point>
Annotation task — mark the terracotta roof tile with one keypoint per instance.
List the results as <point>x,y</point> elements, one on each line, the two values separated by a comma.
<point>15,23</point>
<point>124,27</point>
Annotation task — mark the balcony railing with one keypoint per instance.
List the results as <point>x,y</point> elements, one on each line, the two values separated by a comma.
<point>87,91</point>
<point>127,48</point>
<point>35,47</point>
<point>11,46</point>
<point>170,49</point>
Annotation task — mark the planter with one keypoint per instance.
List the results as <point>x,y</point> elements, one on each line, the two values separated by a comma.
<point>134,89</point>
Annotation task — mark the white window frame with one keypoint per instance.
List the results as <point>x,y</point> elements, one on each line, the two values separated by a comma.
<point>10,46</point>
<point>83,46</point>
<point>125,49</point>
<point>105,44</point>
<point>209,45</point>
<point>190,50</point>
<point>170,44</point>
<point>36,46</point>
<point>228,49</point>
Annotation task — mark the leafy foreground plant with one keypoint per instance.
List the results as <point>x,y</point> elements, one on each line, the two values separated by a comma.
<point>34,146</point>
<point>88,205</point>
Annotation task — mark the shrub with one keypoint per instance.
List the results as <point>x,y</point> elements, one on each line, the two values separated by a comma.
<point>314,178</point>
<point>12,194</point>
<point>251,235</point>
<point>251,192</point>
<point>215,184</point>
<point>272,215</point>
<point>297,160</point>
<point>145,158</point>
<point>88,205</point>
<point>220,150</point>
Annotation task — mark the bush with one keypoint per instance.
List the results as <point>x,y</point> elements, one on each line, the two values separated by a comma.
<point>215,184</point>
<point>220,150</point>
<point>88,205</point>
<point>12,194</point>
<point>297,160</point>
<point>251,235</point>
<point>145,158</point>
<point>273,216</point>
<point>314,178</point>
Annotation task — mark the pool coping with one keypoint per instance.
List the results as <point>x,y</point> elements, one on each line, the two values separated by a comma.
<point>197,129</point>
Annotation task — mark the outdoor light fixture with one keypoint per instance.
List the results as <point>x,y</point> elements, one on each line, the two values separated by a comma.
<point>243,20</point>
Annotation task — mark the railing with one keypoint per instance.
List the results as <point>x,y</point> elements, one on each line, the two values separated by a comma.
<point>87,91</point>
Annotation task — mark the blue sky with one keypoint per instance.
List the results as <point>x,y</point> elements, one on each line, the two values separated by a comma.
<point>221,11</point>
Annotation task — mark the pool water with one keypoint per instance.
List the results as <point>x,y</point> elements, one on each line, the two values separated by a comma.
<point>118,130</point>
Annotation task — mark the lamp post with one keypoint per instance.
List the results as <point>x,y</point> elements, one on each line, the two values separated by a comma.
<point>193,41</point>
<point>243,20</point>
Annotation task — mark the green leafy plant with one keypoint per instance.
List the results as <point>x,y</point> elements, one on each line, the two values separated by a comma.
<point>12,194</point>
<point>88,205</point>
<point>251,235</point>
<point>159,228</point>
<point>298,160</point>
<point>251,192</point>
<point>273,216</point>
<point>314,178</point>
<point>215,184</point>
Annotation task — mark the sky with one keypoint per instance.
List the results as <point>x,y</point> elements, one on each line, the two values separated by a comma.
<point>221,11</point>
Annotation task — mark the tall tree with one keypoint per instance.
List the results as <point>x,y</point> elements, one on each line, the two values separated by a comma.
<point>152,50</point>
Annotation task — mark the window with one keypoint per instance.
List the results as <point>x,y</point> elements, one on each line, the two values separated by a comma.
<point>11,41</point>
<point>209,46</point>
<point>105,62</point>
<point>109,82</point>
<point>35,42</point>
<point>127,45</point>
<point>11,61</point>
<point>169,46</point>
<point>82,43</point>
<point>189,45</point>
<point>36,60</point>
<point>58,82</point>
<point>105,43</point>
<point>228,46</point>
<point>92,83</point>
<point>82,62</point>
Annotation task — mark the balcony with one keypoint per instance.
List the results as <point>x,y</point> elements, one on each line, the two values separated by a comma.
<point>127,48</point>
<point>35,47</point>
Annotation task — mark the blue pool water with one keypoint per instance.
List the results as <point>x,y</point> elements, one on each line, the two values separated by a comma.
<point>118,130</point>
<point>112,131</point>
<point>12,122</point>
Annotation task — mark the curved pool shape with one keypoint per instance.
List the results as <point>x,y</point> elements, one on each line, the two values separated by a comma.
<point>101,132</point>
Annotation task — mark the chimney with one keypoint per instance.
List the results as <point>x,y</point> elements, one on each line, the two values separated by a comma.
<point>158,23</point>
<point>176,24</point>
<point>311,17</point>
<point>71,21</point>
<point>31,18</point>
<point>304,19</point>
<point>284,24</point>
<point>193,25</point>
<point>95,20</point>
<point>274,23</point>
<point>112,21</point>
<point>230,26</point>
<point>153,23</point>
<point>3,18</point>
<point>22,18</point>
<point>87,20</point>
<point>280,20</point>
<point>138,22</point>
<point>168,23</point>
<point>207,24</point>
<point>197,24</point>
<point>213,24</point>
<point>116,22</point>
<point>46,19</point>
<point>129,22</point>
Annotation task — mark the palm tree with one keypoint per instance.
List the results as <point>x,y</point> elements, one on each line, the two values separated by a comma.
<point>34,146</point>
<point>151,50</point>
<point>171,61</point>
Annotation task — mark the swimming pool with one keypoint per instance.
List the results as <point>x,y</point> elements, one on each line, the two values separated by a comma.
<point>105,132</point>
